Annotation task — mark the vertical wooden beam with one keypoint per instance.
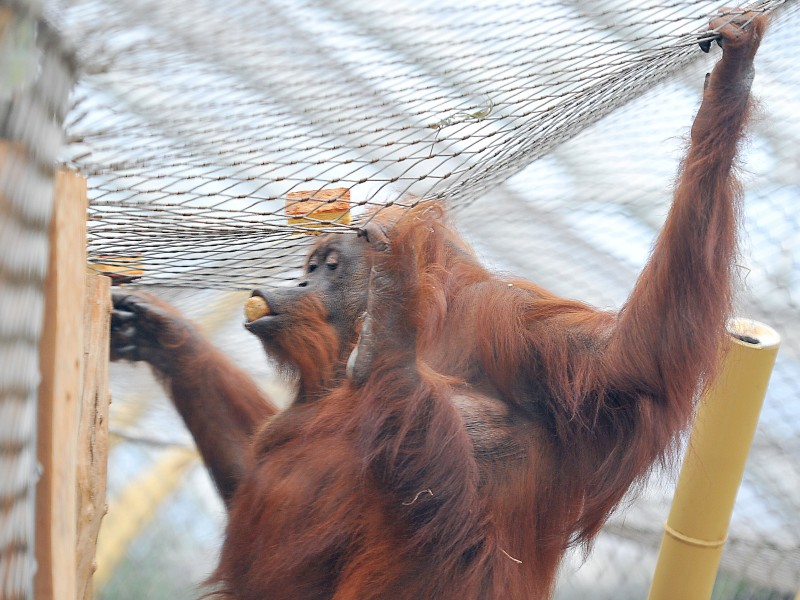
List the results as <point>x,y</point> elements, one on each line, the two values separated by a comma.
<point>61,354</point>
<point>93,428</point>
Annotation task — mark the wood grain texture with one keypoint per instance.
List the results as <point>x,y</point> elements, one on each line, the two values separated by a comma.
<point>93,428</point>
<point>61,355</point>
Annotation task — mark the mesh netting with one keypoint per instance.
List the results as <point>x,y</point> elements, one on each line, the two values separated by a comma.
<point>197,119</point>
<point>553,132</point>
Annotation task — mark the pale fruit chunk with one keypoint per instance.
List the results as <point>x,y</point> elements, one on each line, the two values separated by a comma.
<point>255,308</point>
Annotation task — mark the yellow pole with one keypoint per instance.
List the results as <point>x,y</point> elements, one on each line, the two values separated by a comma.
<point>712,470</point>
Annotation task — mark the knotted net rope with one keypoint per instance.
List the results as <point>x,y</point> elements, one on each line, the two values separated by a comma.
<point>197,121</point>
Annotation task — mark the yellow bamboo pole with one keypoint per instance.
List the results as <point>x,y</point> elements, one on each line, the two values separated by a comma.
<point>697,527</point>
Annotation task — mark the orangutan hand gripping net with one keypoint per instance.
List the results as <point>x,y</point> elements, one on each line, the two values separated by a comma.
<point>454,432</point>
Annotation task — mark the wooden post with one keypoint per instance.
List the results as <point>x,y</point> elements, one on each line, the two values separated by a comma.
<point>71,425</point>
<point>93,428</point>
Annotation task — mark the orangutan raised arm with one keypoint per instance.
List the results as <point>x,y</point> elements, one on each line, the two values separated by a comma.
<point>669,333</point>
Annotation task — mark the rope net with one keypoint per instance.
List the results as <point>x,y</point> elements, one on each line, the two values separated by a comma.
<point>197,121</point>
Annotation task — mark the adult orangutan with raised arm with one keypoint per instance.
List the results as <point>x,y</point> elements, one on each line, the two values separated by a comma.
<point>454,431</point>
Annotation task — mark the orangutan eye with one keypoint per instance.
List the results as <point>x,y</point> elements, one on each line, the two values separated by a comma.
<point>332,261</point>
<point>312,266</point>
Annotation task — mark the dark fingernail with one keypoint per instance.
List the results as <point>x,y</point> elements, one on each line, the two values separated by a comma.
<point>126,352</point>
<point>122,316</point>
